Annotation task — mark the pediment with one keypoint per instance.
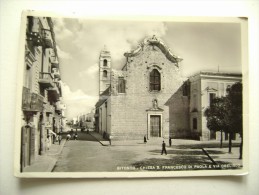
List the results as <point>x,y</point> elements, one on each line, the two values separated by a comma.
<point>154,41</point>
<point>155,109</point>
<point>210,89</point>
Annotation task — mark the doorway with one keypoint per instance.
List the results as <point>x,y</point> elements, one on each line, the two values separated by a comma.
<point>155,126</point>
<point>26,137</point>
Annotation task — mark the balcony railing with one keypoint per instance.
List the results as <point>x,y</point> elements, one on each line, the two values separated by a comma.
<point>56,74</point>
<point>46,79</point>
<point>31,102</point>
<point>49,108</point>
<point>34,38</point>
<point>54,62</point>
<point>46,38</point>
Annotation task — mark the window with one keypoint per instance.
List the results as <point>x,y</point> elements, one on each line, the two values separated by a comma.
<point>194,123</point>
<point>121,85</point>
<point>105,62</point>
<point>105,73</point>
<point>155,80</point>
<point>185,89</point>
<point>211,97</point>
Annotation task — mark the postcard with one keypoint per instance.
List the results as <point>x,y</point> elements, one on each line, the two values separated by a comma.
<point>129,97</point>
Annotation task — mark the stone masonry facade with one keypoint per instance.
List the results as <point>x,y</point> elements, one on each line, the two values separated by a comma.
<point>131,110</point>
<point>148,97</point>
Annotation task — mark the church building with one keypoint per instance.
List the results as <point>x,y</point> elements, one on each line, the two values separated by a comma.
<point>132,100</point>
<point>148,96</point>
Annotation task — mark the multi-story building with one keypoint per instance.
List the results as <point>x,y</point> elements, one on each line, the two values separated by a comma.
<point>148,97</point>
<point>41,106</point>
<point>87,120</point>
<point>203,88</point>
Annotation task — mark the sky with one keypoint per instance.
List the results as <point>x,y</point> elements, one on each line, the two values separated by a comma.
<point>203,46</point>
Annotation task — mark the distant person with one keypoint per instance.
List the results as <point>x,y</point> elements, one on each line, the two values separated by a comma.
<point>110,140</point>
<point>163,148</point>
<point>53,138</point>
<point>75,136</point>
<point>48,142</point>
<point>145,139</point>
<point>56,138</point>
<point>170,141</point>
<point>59,138</point>
<point>68,137</point>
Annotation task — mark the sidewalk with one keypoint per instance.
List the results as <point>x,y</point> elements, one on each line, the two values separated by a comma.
<point>47,161</point>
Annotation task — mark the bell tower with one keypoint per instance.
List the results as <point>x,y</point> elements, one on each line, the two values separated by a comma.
<point>104,70</point>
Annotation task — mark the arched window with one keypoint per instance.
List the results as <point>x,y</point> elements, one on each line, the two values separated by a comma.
<point>105,73</point>
<point>155,83</point>
<point>121,85</point>
<point>104,62</point>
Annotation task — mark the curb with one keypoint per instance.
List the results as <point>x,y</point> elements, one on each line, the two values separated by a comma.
<point>52,167</point>
<point>207,154</point>
<point>60,149</point>
<point>98,140</point>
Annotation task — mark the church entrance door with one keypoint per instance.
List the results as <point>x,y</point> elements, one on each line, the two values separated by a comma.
<point>155,127</point>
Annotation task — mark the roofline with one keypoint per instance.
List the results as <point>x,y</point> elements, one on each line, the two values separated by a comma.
<point>216,74</point>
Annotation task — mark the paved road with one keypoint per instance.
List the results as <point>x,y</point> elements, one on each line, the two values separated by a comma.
<point>88,155</point>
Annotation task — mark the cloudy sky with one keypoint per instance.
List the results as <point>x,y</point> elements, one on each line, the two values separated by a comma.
<point>203,47</point>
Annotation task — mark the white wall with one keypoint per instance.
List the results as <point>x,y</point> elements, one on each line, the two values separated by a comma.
<point>10,12</point>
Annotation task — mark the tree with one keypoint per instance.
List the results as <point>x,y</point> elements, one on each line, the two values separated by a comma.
<point>216,116</point>
<point>225,114</point>
<point>235,112</point>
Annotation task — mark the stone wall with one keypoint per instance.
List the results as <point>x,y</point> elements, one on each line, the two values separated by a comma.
<point>179,115</point>
<point>129,113</point>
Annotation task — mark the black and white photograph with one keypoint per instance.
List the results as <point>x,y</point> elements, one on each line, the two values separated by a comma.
<point>131,97</point>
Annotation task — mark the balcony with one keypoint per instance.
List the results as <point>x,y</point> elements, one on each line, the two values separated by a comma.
<point>49,108</point>
<point>53,93</point>
<point>56,74</point>
<point>46,80</point>
<point>34,38</point>
<point>54,62</point>
<point>59,107</point>
<point>46,38</point>
<point>58,110</point>
<point>31,102</point>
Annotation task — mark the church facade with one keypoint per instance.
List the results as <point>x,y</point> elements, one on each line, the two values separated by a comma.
<point>147,97</point>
